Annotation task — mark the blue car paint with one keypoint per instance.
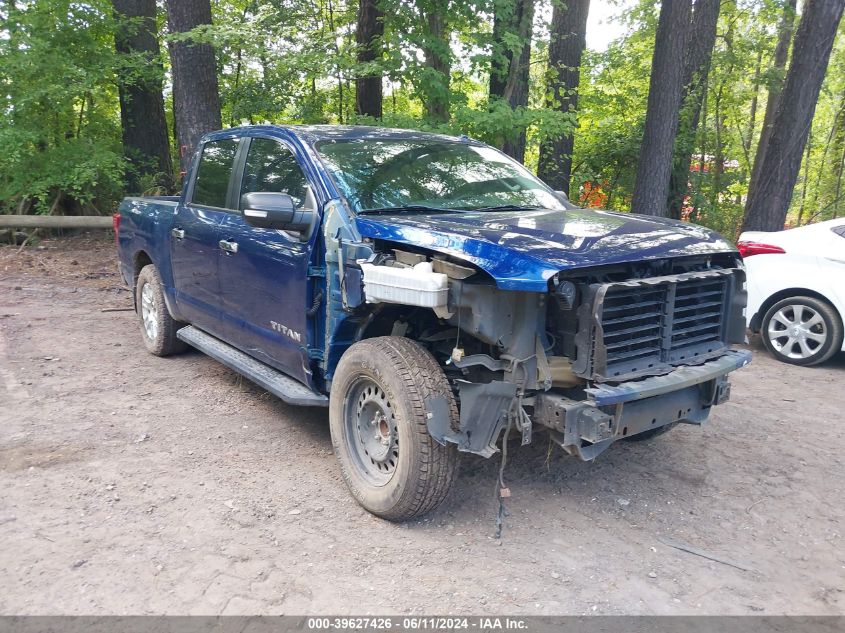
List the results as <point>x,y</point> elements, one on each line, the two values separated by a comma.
<point>266,282</point>
<point>519,250</point>
<point>196,281</point>
<point>144,227</point>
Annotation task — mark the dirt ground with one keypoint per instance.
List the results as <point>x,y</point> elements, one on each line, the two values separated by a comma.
<point>131,484</point>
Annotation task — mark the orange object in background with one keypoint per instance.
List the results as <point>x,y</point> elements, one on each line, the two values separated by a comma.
<point>592,196</point>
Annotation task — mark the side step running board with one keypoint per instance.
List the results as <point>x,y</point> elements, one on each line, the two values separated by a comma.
<point>272,380</point>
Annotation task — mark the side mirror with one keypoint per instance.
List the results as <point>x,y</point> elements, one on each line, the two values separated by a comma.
<point>270,210</point>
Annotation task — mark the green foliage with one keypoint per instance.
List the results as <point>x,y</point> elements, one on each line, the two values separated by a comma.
<point>612,104</point>
<point>294,61</point>
<point>60,136</point>
<point>613,97</point>
<point>820,193</point>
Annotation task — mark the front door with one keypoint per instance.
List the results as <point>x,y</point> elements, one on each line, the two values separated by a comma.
<point>264,272</point>
<point>195,236</point>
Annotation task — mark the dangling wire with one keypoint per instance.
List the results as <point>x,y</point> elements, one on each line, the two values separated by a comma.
<point>502,491</point>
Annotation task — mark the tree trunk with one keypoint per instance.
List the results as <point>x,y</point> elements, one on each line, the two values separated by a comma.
<point>196,102</point>
<point>718,151</point>
<point>770,193</point>
<point>512,20</point>
<point>368,88</point>
<point>654,168</point>
<point>236,97</point>
<point>699,50</point>
<point>702,156</point>
<point>146,142</point>
<point>838,165</point>
<point>806,178</point>
<point>336,49</point>
<point>837,194</point>
<point>438,63</point>
<point>568,33</point>
<point>829,144</point>
<point>752,115</point>
<point>774,86</point>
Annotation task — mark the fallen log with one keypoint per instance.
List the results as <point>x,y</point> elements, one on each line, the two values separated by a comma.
<point>56,221</point>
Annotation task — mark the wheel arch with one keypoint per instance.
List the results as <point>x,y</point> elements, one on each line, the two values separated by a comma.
<point>140,260</point>
<point>380,320</point>
<point>382,317</point>
<point>756,321</point>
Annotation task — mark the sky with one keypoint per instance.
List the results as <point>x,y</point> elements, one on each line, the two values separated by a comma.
<point>601,30</point>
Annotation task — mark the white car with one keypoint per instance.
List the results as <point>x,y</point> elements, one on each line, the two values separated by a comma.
<point>796,290</point>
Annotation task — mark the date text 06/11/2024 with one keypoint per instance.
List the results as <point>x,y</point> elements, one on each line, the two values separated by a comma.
<point>417,623</point>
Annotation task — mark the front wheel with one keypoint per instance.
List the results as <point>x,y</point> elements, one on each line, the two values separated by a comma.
<point>802,330</point>
<point>381,397</point>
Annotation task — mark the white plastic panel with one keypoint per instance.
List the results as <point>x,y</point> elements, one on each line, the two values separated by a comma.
<point>417,286</point>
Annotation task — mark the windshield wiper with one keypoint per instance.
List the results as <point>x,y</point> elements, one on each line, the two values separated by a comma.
<point>409,208</point>
<point>507,207</point>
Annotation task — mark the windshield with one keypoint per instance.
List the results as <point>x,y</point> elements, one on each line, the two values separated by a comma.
<point>384,174</point>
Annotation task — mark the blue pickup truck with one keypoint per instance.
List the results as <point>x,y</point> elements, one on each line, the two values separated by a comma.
<point>435,296</point>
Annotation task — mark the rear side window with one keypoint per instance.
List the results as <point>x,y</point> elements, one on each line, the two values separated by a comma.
<point>270,166</point>
<point>839,230</point>
<point>214,172</point>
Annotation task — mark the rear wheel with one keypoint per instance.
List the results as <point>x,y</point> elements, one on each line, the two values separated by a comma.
<point>802,330</point>
<point>380,399</point>
<point>158,328</point>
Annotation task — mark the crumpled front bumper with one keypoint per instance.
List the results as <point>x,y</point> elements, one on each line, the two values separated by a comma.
<point>603,395</point>
<point>588,427</point>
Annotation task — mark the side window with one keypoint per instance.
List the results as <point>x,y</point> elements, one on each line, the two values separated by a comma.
<point>270,166</point>
<point>214,172</point>
<point>839,230</point>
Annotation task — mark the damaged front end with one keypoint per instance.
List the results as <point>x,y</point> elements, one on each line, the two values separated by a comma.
<point>604,354</point>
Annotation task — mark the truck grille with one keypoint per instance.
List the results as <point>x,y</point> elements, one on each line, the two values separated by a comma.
<point>647,326</point>
<point>634,326</point>
<point>698,317</point>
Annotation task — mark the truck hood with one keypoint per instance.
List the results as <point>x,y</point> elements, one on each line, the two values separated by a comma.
<point>522,250</point>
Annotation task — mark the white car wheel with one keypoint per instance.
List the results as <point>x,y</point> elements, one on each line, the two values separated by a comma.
<point>802,331</point>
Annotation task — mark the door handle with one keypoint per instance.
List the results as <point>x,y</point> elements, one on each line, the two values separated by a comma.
<point>177,233</point>
<point>229,247</point>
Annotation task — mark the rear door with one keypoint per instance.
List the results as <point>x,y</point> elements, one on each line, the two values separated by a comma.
<point>195,235</point>
<point>264,273</point>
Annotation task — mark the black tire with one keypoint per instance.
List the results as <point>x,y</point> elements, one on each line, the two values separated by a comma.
<point>807,339</point>
<point>651,433</point>
<point>381,386</point>
<point>159,332</point>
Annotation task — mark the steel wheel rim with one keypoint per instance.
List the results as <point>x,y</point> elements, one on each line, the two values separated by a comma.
<point>371,433</point>
<point>148,311</point>
<point>797,331</point>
